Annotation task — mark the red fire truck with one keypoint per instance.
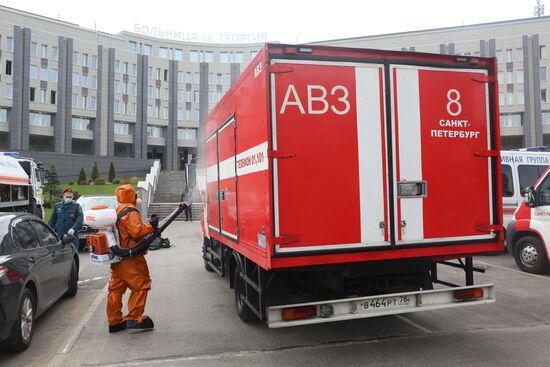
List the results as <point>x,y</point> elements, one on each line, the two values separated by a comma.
<point>338,179</point>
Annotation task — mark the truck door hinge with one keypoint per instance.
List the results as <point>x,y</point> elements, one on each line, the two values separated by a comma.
<point>484,79</point>
<point>279,154</point>
<point>487,153</point>
<point>280,69</point>
<point>489,228</point>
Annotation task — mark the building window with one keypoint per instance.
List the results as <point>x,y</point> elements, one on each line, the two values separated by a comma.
<point>147,49</point>
<point>8,67</point>
<point>32,96</point>
<point>499,55</point>
<point>81,123</point>
<point>519,76</point>
<point>125,108</point>
<point>84,101</point>
<point>9,44</point>
<point>157,112</point>
<point>180,95</point>
<point>239,57</point>
<point>149,111</point>
<point>133,109</point>
<point>157,73</point>
<point>43,96</point>
<point>85,60</point>
<point>195,115</point>
<point>94,62</point>
<point>165,113</point>
<point>53,75</point>
<point>165,75</point>
<point>196,78</point>
<point>510,120</point>
<point>155,131</point>
<point>52,97</point>
<point>125,88</point>
<point>211,79</point>
<point>76,78</point>
<point>44,74</point>
<point>543,73</point>
<point>196,96</point>
<point>134,69</point>
<point>163,52</point>
<point>40,119</point>
<point>94,82</point>
<point>122,128</point>
<point>125,68</point>
<point>510,98</point>
<point>509,77</point>
<point>165,94</point>
<point>76,59</point>
<point>542,52</point>
<point>93,103</point>
<point>74,101</point>
<point>149,91</point>
<point>254,53</point>
<point>116,106</point>
<point>4,115</point>
<point>150,72</point>
<point>509,55</point>
<point>117,66</point>
<point>501,98</point>
<point>8,91</point>
<point>519,55</point>
<point>157,92</point>
<point>116,86</point>
<point>543,96</point>
<point>33,73</point>
<point>44,51</point>
<point>224,57</point>
<point>546,118</point>
<point>194,56</point>
<point>133,89</point>
<point>208,56</point>
<point>178,54</point>
<point>34,50</point>
<point>132,46</point>
<point>187,134</point>
<point>180,114</point>
<point>54,53</point>
<point>520,98</point>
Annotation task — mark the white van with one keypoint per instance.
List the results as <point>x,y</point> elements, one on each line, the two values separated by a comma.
<point>520,169</point>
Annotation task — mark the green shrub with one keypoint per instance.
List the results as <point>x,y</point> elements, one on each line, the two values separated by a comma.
<point>100,181</point>
<point>47,204</point>
<point>83,182</point>
<point>95,172</point>
<point>133,180</point>
<point>116,181</point>
<point>82,175</point>
<point>112,173</point>
<point>70,183</point>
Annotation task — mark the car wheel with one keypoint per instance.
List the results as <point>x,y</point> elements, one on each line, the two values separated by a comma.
<point>73,281</point>
<point>21,334</point>
<point>244,312</point>
<point>530,255</point>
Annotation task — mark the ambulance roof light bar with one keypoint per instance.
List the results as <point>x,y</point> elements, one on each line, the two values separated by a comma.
<point>11,154</point>
<point>541,148</point>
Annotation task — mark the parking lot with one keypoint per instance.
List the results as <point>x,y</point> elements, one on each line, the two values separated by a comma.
<point>196,324</point>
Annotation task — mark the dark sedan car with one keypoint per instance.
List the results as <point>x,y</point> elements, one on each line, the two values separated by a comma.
<point>87,202</point>
<point>36,269</point>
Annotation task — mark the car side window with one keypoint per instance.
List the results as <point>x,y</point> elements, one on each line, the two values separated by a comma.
<point>543,191</point>
<point>528,175</point>
<point>507,183</point>
<point>24,236</point>
<point>45,235</point>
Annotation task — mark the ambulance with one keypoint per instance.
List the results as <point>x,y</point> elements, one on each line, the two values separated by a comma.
<point>520,169</point>
<point>528,233</point>
<point>339,180</point>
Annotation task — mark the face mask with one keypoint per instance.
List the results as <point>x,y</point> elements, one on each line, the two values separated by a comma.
<point>67,200</point>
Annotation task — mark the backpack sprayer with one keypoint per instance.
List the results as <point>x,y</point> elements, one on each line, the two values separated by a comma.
<point>104,245</point>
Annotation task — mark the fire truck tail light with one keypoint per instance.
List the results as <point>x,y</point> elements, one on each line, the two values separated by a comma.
<point>468,294</point>
<point>297,313</point>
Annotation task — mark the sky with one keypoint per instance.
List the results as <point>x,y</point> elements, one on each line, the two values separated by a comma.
<point>281,20</point>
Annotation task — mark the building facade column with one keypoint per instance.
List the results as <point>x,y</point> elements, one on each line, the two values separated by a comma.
<point>110,107</point>
<point>171,136</point>
<point>68,116</point>
<point>99,100</point>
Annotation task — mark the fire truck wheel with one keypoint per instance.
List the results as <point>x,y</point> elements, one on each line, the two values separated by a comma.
<point>530,255</point>
<point>239,283</point>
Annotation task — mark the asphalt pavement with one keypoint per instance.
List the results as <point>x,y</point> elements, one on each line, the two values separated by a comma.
<point>196,324</point>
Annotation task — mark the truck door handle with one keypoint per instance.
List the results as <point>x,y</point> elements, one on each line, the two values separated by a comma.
<point>412,189</point>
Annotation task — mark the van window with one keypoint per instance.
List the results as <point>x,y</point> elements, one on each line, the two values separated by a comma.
<point>544,192</point>
<point>507,182</point>
<point>528,175</point>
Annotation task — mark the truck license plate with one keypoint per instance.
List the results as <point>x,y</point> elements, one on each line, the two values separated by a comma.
<point>384,302</point>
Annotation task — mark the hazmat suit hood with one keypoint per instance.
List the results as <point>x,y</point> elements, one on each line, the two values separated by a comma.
<point>126,194</point>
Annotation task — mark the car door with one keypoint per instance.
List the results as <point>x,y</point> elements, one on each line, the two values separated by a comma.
<point>61,257</point>
<point>38,258</point>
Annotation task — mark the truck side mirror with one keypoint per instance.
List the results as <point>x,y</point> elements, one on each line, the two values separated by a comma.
<point>530,197</point>
<point>67,239</point>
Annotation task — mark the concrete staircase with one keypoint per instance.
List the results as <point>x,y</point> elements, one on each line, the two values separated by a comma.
<point>168,193</point>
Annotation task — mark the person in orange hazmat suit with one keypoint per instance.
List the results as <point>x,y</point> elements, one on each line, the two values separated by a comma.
<point>132,272</point>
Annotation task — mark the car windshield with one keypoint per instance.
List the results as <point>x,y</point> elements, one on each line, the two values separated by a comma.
<point>90,201</point>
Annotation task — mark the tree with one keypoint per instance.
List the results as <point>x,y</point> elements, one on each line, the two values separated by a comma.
<point>95,172</point>
<point>112,174</point>
<point>52,187</point>
<point>81,175</point>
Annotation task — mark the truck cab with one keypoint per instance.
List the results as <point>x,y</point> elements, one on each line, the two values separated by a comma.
<point>528,234</point>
